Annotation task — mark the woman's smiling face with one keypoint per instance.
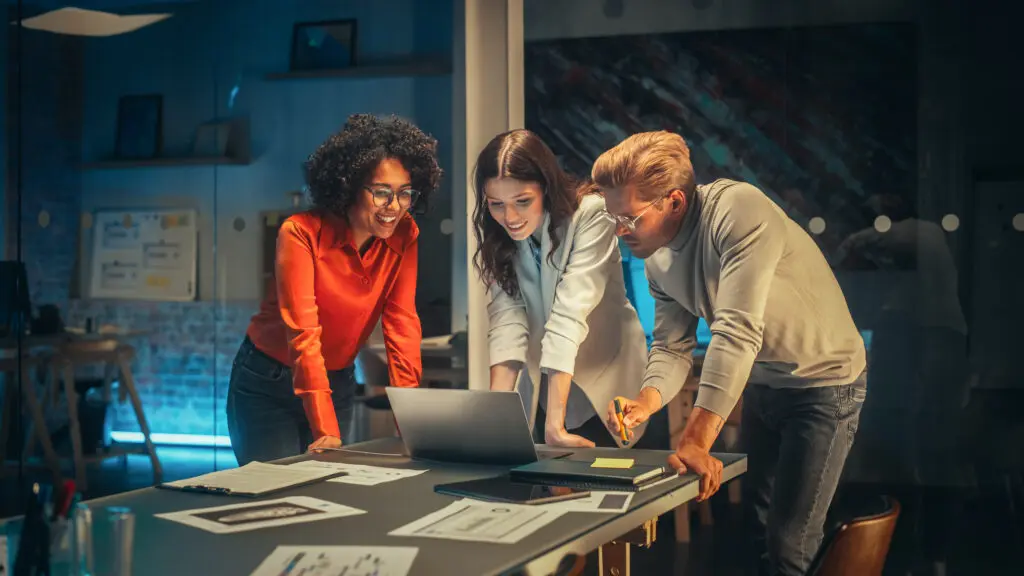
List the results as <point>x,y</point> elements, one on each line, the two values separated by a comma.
<point>516,205</point>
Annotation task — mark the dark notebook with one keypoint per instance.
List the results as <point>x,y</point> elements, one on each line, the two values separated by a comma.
<point>580,473</point>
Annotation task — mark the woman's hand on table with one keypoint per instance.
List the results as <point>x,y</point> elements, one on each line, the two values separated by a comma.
<point>325,443</point>
<point>562,438</point>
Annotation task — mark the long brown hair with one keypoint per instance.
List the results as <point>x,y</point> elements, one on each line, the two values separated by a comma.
<point>520,155</point>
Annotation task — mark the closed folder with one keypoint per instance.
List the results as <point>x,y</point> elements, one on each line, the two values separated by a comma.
<point>582,473</point>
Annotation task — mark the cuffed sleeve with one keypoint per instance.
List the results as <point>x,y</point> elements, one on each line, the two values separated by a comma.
<point>400,323</point>
<point>750,234</point>
<point>580,288</point>
<point>671,356</point>
<point>508,336</point>
<point>294,265</point>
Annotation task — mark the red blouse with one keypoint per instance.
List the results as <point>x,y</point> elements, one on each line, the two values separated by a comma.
<point>326,302</point>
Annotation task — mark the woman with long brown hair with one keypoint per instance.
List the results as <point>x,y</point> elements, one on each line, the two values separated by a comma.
<point>562,331</point>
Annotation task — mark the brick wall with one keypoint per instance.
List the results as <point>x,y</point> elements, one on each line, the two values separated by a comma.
<point>182,364</point>
<point>50,119</point>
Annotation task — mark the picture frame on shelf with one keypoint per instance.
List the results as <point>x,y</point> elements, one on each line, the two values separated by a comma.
<point>324,45</point>
<point>212,140</point>
<point>139,126</point>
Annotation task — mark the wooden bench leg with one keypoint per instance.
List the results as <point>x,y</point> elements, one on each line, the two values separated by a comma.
<point>81,477</point>
<point>128,386</point>
<point>39,424</point>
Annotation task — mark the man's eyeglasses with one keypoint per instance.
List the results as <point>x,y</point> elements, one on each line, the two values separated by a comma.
<point>629,222</point>
<point>385,196</point>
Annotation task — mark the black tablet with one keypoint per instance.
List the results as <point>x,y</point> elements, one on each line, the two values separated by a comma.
<point>501,489</point>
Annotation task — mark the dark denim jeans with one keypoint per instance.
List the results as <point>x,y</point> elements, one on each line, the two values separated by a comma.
<point>266,420</point>
<point>796,441</point>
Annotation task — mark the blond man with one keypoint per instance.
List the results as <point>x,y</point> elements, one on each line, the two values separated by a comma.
<point>726,253</point>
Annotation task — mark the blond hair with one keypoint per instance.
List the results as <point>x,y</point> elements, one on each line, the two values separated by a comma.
<point>653,162</point>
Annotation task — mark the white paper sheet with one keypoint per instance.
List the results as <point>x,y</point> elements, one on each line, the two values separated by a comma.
<point>335,560</point>
<point>254,478</point>
<point>361,474</point>
<point>474,521</point>
<point>264,514</point>
<point>597,501</point>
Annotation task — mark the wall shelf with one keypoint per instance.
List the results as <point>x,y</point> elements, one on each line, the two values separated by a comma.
<point>382,70</point>
<point>116,163</point>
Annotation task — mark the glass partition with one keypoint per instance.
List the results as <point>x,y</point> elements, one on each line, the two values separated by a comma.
<point>150,161</point>
<point>866,128</point>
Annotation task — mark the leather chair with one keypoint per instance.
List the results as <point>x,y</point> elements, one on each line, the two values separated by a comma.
<point>856,544</point>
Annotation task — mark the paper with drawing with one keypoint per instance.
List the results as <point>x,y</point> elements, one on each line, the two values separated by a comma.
<point>265,514</point>
<point>475,521</point>
<point>360,474</point>
<point>336,560</point>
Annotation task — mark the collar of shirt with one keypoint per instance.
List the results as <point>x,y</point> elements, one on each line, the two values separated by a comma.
<point>339,233</point>
<point>690,220</point>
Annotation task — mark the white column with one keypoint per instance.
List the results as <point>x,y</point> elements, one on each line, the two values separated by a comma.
<point>489,100</point>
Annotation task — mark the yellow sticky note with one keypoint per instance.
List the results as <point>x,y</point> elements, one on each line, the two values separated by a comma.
<point>612,463</point>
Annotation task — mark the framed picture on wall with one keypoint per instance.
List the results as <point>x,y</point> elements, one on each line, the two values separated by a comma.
<point>323,45</point>
<point>139,126</point>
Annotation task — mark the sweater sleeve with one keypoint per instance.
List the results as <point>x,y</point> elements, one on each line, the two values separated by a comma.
<point>671,356</point>
<point>749,232</point>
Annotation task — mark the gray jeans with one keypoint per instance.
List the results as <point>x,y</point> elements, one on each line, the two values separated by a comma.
<point>266,419</point>
<point>796,441</point>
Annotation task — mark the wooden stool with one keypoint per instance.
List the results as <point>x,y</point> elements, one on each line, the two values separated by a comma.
<point>117,359</point>
<point>9,367</point>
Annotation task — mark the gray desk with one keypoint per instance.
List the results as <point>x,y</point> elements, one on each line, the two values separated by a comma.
<point>167,548</point>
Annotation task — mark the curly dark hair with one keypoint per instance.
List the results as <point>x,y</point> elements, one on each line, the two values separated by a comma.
<point>521,155</point>
<point>338,169</point>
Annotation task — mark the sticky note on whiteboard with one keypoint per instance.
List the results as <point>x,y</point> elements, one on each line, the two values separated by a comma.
<point>621,463</point>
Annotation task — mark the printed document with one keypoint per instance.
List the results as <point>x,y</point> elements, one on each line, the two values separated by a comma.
<point>476,521</point>
<point>253,479</point>
<point>360,474</point>
<point>597,501</point>
<point>336,560</point>
<point>264,514</point>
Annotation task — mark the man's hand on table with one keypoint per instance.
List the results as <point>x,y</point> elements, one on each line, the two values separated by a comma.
<point>325,442</point>
<point>694,459</point>
<point>634,412</point>
<point>694,451</point>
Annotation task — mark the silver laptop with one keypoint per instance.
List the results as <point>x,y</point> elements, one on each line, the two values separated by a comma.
<point>472,426</point>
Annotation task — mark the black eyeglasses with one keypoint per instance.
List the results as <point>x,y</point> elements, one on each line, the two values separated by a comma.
<point>383,196</point>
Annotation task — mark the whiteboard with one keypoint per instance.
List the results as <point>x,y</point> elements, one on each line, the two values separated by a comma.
<point>144,255</point>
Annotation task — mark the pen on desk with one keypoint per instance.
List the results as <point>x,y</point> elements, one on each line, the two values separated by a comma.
<point>622,424</point>
<point>293,563</point>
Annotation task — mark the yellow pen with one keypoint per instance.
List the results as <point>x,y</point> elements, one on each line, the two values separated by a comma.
<point>622,425</point>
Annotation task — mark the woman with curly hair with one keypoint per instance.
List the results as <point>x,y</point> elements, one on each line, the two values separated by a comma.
<point>549,254</point>
<point>340,267</point>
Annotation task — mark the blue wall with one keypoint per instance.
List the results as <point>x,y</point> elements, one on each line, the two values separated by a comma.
<point>209,50</point>
<point>640,295</point>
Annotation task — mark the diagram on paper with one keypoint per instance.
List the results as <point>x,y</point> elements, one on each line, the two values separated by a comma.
<point>481,522</point>
<point>337,560</point>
